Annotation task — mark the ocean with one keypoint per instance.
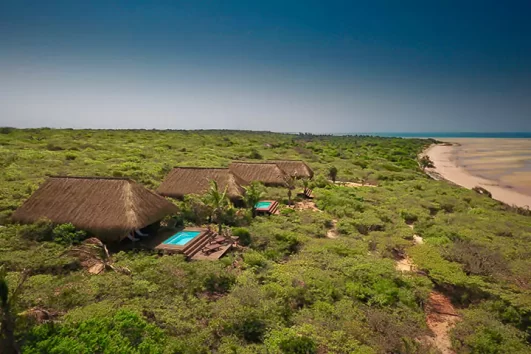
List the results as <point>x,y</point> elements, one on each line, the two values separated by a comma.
<point>503,135</point>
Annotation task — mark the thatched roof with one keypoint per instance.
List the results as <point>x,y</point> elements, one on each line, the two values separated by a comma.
<point>196,180</point>
<point>269,174</point>
<point>294,168</point>
<point>107,207</point>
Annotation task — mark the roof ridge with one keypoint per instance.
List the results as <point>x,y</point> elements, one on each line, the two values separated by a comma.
<point>201,168</point>
<point>254,163</point>
<point>286,160</point>
<point>96,177</point>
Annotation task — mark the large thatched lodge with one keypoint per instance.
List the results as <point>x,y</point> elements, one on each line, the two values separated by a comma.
<point>294,168</point>
<point>109,208</point>
<point>270,174</point>
<point>182,181</point>
<point>115,208</point>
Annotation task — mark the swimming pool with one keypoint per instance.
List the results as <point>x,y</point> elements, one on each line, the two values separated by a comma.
<point>181,238</point>
<point>262,205</point>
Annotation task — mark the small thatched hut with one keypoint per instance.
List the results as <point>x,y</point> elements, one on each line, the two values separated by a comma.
<point>294,168</point>
<point>108,208</point>
<point>196,180</point>
<point>270,174</point>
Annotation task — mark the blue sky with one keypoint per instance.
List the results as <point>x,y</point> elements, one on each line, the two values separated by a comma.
<point>318,66</point>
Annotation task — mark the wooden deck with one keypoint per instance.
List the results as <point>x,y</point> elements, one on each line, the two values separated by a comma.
<point>214,255</point>
<point>271,209</point>
<point>192,250</point>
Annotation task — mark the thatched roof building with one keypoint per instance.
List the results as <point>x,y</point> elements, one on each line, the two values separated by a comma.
<point>196,180</point>
<point>109,208</point>
<point>270,174</point>
<point>294,168</point>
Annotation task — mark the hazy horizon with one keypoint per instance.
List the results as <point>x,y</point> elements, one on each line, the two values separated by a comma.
<point>325,67</point>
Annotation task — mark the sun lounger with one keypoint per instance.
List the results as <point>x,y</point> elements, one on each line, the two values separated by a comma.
<point>218,239</point>
<point>211,248</point>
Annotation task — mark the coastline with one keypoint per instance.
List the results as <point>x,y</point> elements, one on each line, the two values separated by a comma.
<point>447,167</point>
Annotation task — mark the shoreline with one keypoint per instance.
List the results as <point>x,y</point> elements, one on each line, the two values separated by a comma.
<point>447,167</point>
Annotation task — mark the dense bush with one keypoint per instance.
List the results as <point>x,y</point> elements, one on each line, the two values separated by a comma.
<point>292,289</point>
<point>42,230</point>
<point>243,234</point>
<point>67,234</point>
<point>125,332</point>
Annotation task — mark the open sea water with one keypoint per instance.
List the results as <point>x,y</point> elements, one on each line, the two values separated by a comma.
<point>504,135</point>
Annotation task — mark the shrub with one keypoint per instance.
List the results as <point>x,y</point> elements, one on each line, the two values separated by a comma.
<point>287,212</point>
<point>480,332</point>
<point>408,217</point>
<point>319,182</point>
<point>243,234</point>
<point>477,259</point>
<point>255,259</point>
<point>67,234</point>
<point>255,155</point>
<point>70,156</point>
<point>219,283</point>
<point>53,147</point>
<point>125,332</point>
<point>42,230</point>
<point>368,222</point>
<point>297,345</point>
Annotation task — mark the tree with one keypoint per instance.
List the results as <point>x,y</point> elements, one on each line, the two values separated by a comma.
<point>305,183</point>
<point>7,317</point>
<point>219,202</point>
<point>290,183</point>
<point>425,162</point>
<point>365,177</point>
<point>332,173</point>
<point>253,194</point>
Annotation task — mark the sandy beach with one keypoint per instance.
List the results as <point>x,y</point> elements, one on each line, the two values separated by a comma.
<point>502,166</point>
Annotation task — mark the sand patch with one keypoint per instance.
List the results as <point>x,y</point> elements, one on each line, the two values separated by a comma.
<point>441,317</point>
<point>307,205</point>
<point>351,184</point>
<point>332,233</point>
<point>405,265</point>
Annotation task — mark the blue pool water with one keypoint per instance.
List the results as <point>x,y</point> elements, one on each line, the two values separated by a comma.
<point>262,205</point>
<point>181,238</point>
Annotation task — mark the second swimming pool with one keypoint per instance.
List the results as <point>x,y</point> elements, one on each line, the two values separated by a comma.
<point>181,238</point>
<point>262,205</point>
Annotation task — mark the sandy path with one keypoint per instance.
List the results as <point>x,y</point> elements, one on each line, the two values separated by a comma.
<point>332,233</point>
<point>445,166</point>
<point>441,315</point>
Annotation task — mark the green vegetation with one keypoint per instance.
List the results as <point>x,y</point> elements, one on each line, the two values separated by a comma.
<point>290,289</point>
<point>218,202</point>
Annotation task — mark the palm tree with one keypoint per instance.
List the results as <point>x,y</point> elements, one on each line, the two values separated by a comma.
<point>219,202</point>
<point>253,194</point>
<point>290,183</point>
<point>332,172</point>
<point>8,343</point>
<point>365,178</point>
<point>305,182</point>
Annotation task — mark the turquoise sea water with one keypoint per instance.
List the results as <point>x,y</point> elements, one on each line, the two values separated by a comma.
<point>262,205</point>
<point>181,238</point>
<point>504,135</point>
